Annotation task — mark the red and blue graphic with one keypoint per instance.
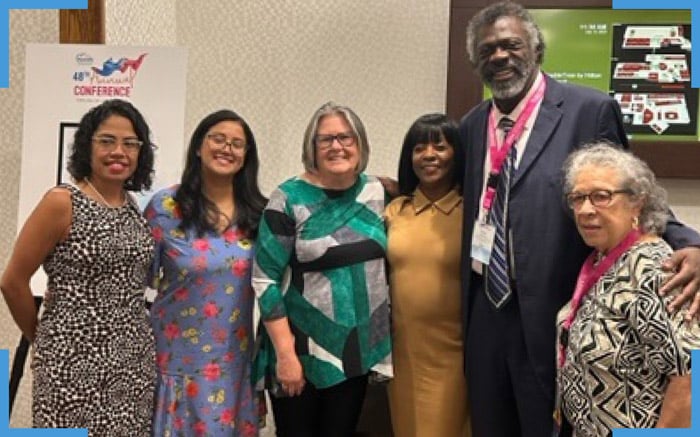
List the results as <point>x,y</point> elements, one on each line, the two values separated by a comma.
<point>5,7</point>
<point>122,65</point>
<point>108,79</point>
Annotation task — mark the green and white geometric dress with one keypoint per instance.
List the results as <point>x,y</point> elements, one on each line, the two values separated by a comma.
<point>320,262</point>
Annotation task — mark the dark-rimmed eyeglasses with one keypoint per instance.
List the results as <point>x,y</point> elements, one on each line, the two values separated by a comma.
<point>218,142</point>
<point>109,143</point>
<point>598,198</point>
<point>345,139</point>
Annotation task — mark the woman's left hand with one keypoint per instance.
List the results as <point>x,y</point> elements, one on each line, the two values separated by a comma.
<point>686,265</point>
<point>290,374</point>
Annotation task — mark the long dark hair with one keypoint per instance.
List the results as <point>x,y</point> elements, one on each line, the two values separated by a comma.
<point>80,159</point>
<point>249,201</point>
<point>428,129</point>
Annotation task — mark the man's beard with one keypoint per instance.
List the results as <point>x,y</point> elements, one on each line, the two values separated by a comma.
<point>503,90</point>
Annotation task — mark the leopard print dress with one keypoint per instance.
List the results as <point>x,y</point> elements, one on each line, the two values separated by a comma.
<point>94,359</point>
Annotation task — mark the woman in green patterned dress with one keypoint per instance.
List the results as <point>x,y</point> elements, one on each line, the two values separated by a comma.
<point>320,280</point>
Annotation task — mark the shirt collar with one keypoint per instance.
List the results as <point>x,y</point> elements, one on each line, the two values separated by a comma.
<point>446,204</point>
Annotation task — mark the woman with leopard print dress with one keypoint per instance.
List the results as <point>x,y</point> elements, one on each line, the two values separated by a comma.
<point>93,360</point>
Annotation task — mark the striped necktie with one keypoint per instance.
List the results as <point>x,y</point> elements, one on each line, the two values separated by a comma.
<point>498,288</point>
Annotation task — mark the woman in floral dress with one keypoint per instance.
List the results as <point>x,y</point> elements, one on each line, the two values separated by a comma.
<point>203,314</point>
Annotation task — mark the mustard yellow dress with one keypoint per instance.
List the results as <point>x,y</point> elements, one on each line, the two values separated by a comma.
<point>428,395</point>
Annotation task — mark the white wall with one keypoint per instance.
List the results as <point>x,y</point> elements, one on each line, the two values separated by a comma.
<point>277,62</point>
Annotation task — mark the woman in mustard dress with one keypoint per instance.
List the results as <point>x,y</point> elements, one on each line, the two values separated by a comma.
<point>428,395</point>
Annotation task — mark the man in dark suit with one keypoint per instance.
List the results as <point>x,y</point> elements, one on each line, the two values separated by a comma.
<point>510,326</point>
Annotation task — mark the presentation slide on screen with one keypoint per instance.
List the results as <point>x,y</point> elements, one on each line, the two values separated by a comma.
<point>641,58</point>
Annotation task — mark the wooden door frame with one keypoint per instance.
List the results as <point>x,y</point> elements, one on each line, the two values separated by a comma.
<point>83,26</point>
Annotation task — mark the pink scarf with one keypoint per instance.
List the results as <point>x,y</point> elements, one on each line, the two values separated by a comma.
<point>588,276</point>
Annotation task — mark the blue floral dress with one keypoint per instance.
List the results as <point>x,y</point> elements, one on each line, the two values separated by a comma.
<point>202,319</point>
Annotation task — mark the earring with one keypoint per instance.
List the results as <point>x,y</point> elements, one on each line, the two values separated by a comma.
<point>635,223</point>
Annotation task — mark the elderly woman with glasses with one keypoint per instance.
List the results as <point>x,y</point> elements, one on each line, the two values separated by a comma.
<point>93,361</point>
<point>205,231</point>
<point>623,358</point>
<point>321,285</point>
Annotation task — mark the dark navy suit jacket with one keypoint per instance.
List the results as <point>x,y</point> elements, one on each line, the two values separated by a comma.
<point>548,250</point>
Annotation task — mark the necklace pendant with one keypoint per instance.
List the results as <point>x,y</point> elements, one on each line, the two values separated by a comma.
<point>101,197</point>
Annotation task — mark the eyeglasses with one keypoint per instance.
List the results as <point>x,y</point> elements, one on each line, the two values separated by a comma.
<point>598,198</point>
<point>219,142</point>
<point>326,141</point>
<point>109,143</point>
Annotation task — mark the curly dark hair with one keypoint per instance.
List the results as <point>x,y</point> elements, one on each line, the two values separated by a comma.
<point>492,13</point>
<point>79,161</point>
<point>427,129</point>
<point>197,210</point>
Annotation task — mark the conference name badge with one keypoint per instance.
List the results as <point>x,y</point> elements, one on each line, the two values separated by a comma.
<point>482,241</point>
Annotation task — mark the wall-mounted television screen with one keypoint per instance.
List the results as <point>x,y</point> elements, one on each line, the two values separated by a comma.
<point>641,58</point>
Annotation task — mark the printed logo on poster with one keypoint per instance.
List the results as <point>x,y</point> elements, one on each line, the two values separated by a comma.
<point>109,78</point>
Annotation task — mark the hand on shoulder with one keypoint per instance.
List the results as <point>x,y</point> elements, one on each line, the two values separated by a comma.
<point>685,265</point>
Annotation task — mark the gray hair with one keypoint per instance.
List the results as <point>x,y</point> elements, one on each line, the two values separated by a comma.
<point>308,155</point>
<point>489,15</point>
<point>635,175</point>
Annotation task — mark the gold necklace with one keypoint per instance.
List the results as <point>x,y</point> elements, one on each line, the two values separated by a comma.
<point>101,197</point>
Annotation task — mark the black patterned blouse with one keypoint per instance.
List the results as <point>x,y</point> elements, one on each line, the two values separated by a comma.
<point>623,346</point>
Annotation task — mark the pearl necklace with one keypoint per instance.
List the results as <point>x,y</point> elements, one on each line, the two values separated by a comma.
<point>101,197</point>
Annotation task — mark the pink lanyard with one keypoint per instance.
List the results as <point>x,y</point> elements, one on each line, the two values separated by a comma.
<point>588,276</point>
<point>498,154</point>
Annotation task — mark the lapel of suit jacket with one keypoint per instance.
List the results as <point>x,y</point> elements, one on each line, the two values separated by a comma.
<point>478,154</point>
<point>546,122</point>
